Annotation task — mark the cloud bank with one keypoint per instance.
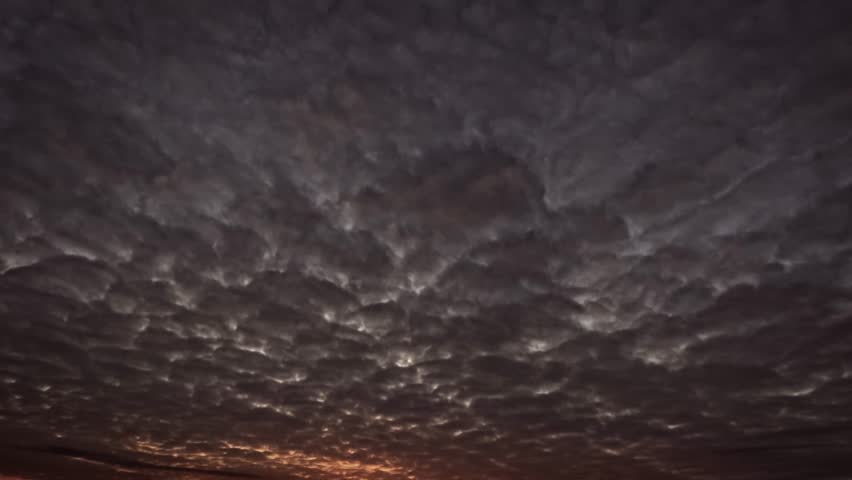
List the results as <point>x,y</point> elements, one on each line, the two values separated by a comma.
<point>426,240</point>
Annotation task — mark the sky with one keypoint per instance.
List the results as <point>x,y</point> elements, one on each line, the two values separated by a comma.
<point>425,240</point>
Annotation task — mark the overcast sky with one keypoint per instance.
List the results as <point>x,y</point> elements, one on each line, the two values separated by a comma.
<point>436,240</point>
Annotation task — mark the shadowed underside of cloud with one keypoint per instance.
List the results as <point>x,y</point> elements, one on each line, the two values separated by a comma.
<point>125,464</point>
<point>426,240</point>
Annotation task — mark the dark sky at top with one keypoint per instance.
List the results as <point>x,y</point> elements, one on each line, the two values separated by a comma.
<point>434,240</point>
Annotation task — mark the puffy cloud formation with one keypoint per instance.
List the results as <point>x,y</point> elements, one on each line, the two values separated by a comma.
<point>425,240</point>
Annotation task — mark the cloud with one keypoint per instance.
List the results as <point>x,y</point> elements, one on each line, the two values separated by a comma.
<point>118,462</point>
<point>349,239</point>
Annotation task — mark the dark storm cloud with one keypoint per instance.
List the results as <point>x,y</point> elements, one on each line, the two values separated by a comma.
<point>116,461</point>
<point>438,240</point>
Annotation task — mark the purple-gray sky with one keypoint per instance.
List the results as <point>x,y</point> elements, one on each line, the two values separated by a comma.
<point>426,240</point>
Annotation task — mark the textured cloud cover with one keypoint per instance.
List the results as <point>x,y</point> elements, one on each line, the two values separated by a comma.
<point>426,240</point>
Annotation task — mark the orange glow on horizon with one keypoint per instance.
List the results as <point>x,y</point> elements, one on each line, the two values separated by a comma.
<point>288,459</point>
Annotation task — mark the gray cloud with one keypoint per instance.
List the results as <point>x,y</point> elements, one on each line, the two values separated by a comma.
<point>444,240</point>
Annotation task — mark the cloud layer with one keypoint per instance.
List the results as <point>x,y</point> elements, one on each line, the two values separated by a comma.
<point>426,240</point>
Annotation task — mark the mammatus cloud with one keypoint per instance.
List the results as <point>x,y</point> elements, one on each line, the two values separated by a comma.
<point>425,240</point>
